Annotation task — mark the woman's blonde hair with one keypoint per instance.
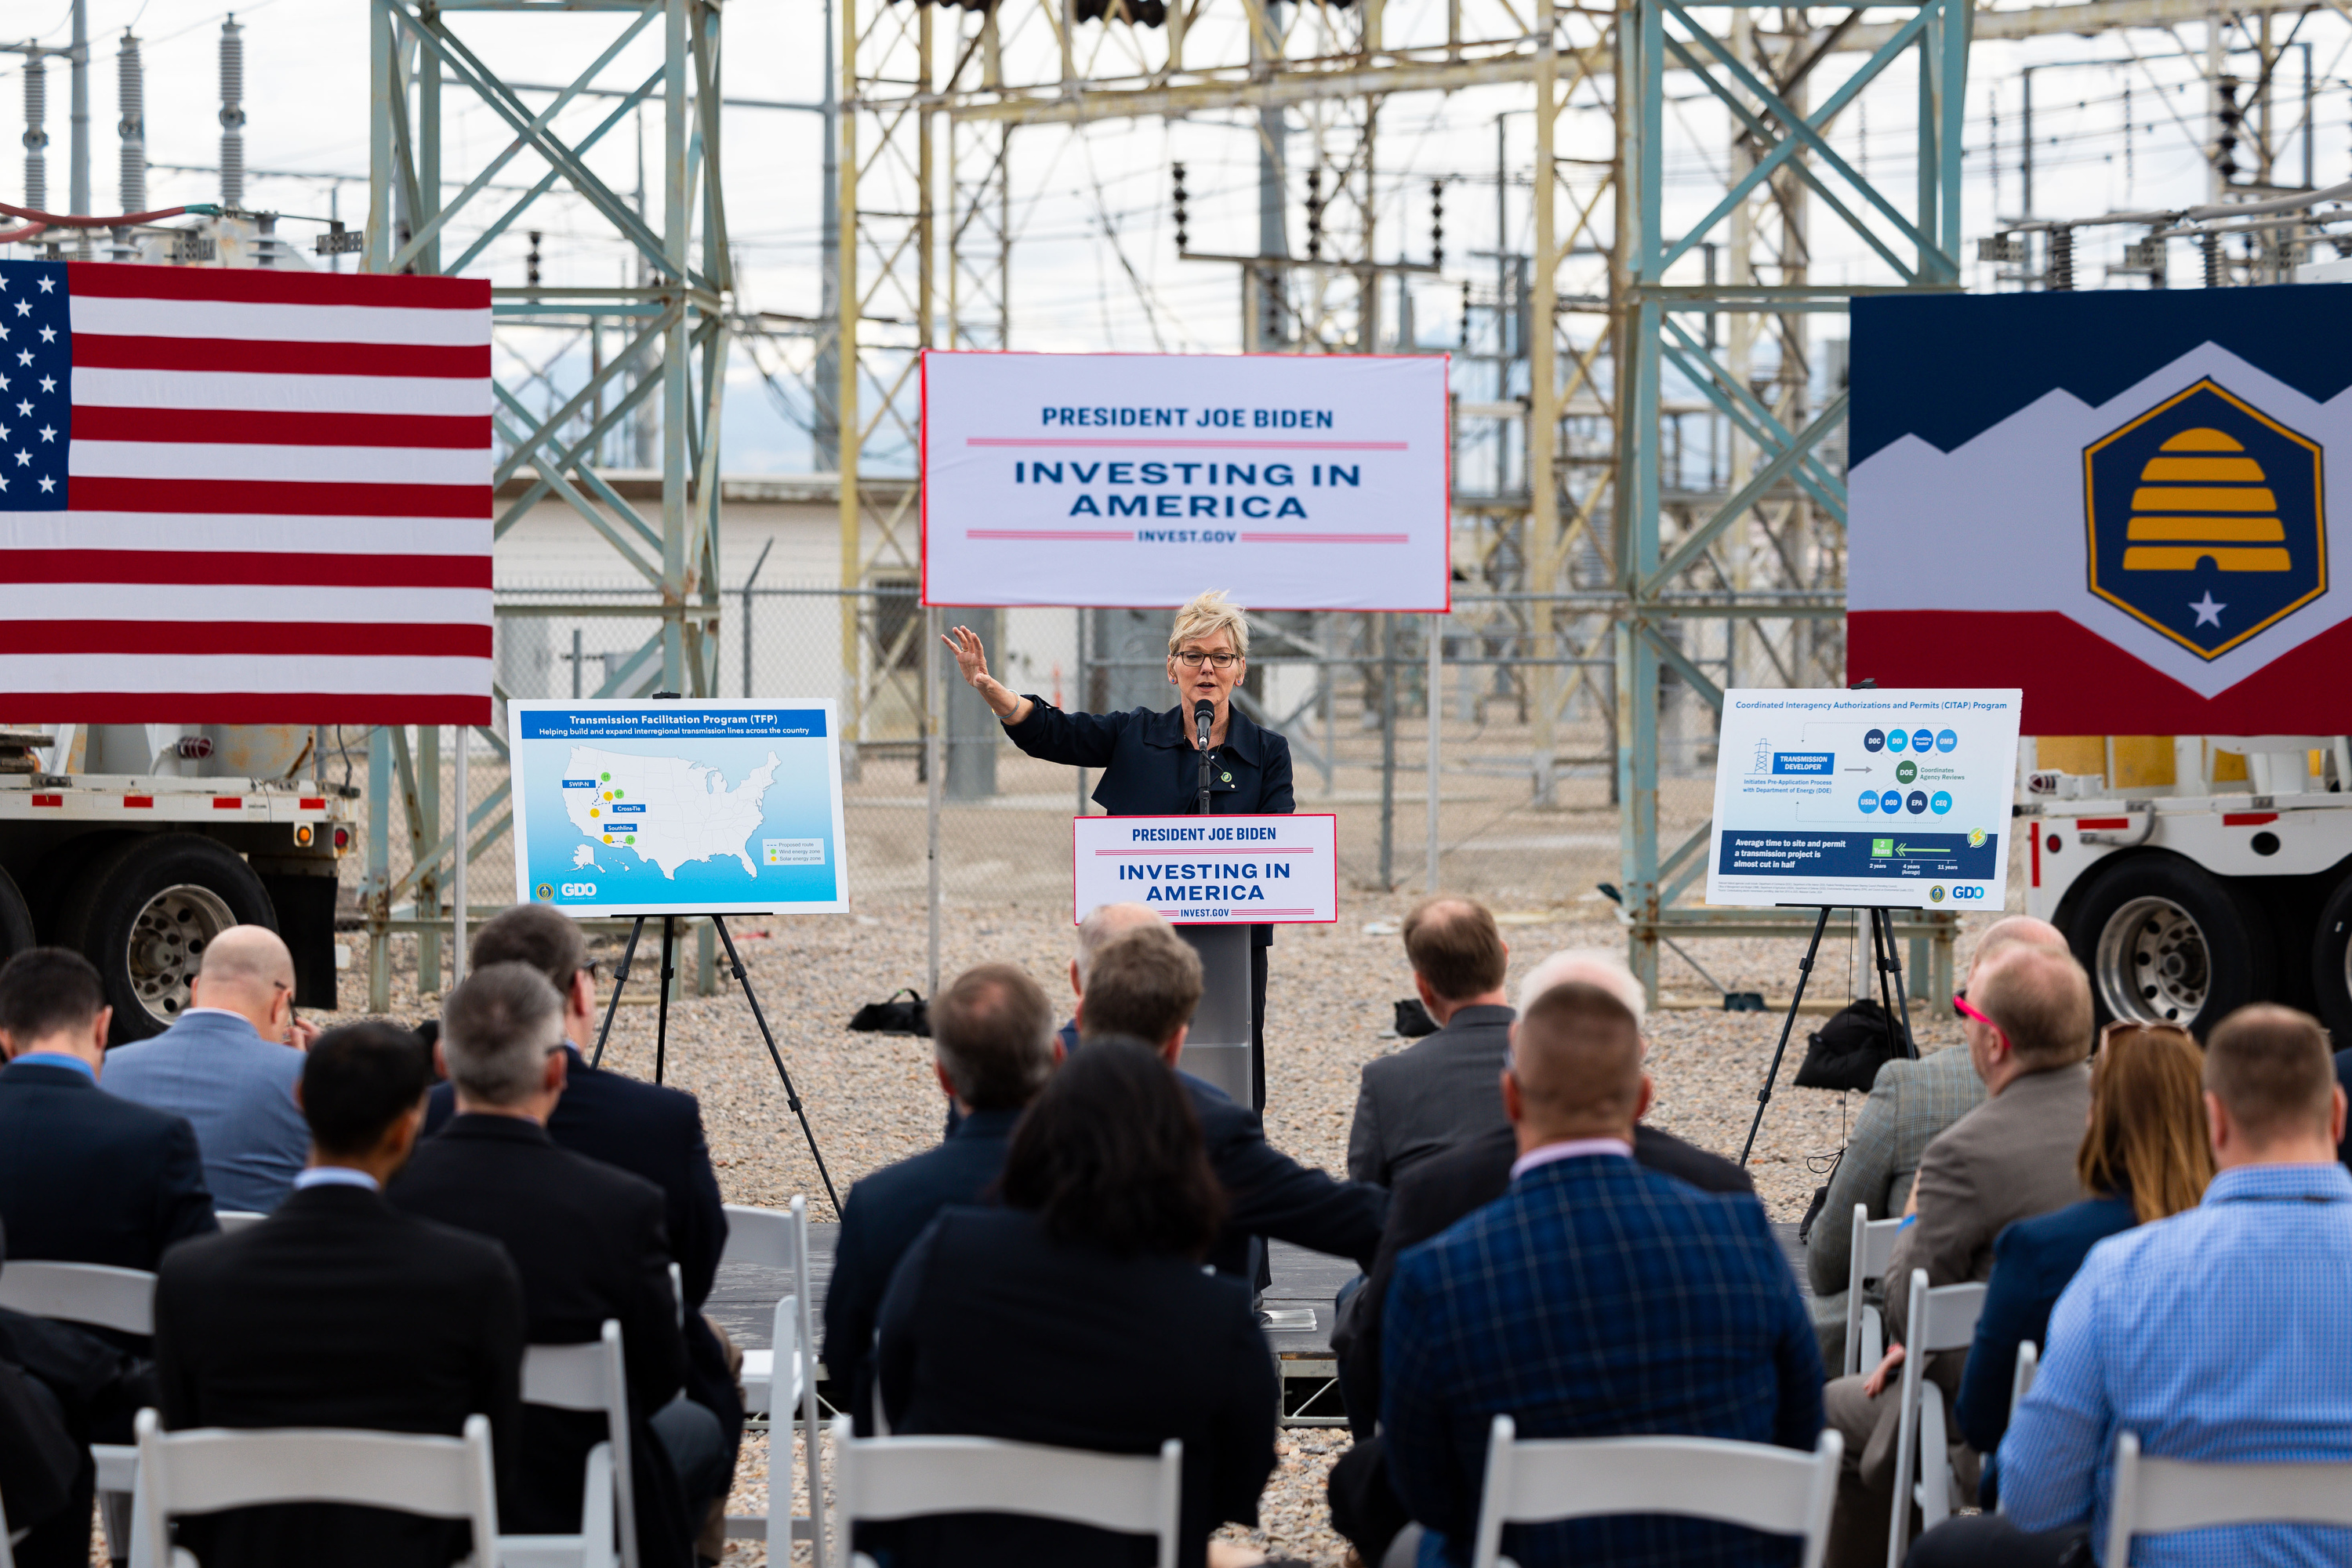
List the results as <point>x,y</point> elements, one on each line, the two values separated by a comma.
<point>2147,1137</point>
<point>1206,615</point>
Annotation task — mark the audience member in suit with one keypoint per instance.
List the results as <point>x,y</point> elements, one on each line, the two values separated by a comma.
<point>1011,1322</point>
<point>1439,1090</point>
<point>1365,1507</point>
<point>645,1129</point>
<point>229,1065</point>
<point>1143,982</point>
<point>2218,1336</point>
<point>339,1311</point>
<point>588,1241</point>
<point>2028,1024</point>
<point>1594,1299</point>
<point>1909,1103</point>
<point>992,1045</point>
<point>84,1177</point>
<point>2149,1155</point>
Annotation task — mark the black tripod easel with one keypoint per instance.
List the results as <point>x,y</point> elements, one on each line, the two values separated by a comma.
<point>661,1021</point>
<point>1889,960</point>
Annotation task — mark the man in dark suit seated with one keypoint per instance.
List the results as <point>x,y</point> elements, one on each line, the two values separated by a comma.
<point>587,1239</point>
<point>647,1130</point>
<point>1594,1299</point>
<point>84,1177</point>
<point>1365,1507</point>
<point>339,1311</point>
<point>1145,983</point>
<point>993,1042</point>
<point>1441,1089</point>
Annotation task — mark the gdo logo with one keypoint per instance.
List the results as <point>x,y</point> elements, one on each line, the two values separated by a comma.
<point>1965,894</point>
<point>579,890</point>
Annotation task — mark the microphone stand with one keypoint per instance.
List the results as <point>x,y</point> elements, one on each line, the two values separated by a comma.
<point>1204,716</point>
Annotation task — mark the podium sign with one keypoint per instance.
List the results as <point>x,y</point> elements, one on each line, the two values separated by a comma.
<point>1209,870</point>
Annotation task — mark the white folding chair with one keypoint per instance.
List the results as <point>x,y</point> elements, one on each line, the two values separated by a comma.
<point>100,1296</point>
<point>1866,1331</point>
<point>1759,1485</point>
<point>2028,1367</point>
<point>212,1467</point>
<point>907,1478</point>
<point>782,1377</point>
<point>1943,1318</point>
<point>233,1220</point>
<point>2157,1496</point>
<point>591,1376</point>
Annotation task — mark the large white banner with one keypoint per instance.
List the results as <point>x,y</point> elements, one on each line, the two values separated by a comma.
<point>1209,870</point>
<point>1298,482</point>
<point>1863,799</point>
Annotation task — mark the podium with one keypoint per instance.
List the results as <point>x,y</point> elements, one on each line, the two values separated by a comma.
<point>1213,877</point>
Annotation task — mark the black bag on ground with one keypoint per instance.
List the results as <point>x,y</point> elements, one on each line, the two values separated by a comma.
<point>893,1017</point>
<point>1847,1051</point>
<point>1412,1019</point>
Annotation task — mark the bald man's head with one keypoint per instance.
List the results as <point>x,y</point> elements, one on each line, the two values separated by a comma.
<point>2040,1000</point>
<point>2011,930</point>
<point>248,971</point>
<point>1576,1063</point>
<point>1106,922</point>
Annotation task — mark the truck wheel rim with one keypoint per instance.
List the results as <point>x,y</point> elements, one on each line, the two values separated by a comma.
<point>167,943</point>
<point>2155,965</point>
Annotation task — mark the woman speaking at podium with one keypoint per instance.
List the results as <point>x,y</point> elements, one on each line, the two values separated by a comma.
<point>1151,761</point>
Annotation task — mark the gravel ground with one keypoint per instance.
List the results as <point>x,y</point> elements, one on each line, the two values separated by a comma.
<point>871,1099</point>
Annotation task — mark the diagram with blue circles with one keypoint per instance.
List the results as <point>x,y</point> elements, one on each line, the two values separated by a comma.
<point>1864,798</point>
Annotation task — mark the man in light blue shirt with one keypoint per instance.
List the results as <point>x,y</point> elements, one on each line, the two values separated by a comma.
<point>229,1065</point>
<point>2219,1335</point>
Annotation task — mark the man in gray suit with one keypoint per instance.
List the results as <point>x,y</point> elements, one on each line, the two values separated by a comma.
<point>229,1065</point>
<point>1910,1103</point>
<point>2028,1024</point>
<point>1444,1088</point>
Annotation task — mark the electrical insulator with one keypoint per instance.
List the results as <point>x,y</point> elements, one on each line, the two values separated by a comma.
<point>232,113</point>
<point>2226,117</point>
<point>131,97</point>
<point>2062,259</point>
<point>1182,238</point>
<point>1437,223</point>
<point>1465,315</point>
<point>2212,245</point>
<point>530,261</point>
<point>1314,214</point>
<point>36,137</point>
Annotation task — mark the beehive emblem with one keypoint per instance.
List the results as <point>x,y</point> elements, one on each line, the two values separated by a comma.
<point>2206,519</point>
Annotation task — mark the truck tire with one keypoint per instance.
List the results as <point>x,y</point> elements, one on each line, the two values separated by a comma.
<point>2165,941</point>
<point>143,915</point>
<point>2331,962</point>
<point>16,919</point>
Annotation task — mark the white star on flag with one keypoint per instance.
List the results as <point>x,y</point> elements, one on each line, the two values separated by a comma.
<point>48,284</point>
<point>47,484</point>
<point>2208,612</point>
<point>48,433</point>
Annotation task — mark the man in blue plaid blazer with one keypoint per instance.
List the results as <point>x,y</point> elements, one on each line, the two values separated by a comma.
<point>1594,1299</point>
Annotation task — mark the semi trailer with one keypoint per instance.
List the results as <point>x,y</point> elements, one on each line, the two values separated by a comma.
<point>135,845</point>
<point>2194,874</point>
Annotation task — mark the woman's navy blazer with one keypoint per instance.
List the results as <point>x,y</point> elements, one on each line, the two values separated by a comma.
<point>1148,766</point>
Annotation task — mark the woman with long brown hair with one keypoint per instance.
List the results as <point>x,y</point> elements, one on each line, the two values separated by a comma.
<point>2144,1157</point>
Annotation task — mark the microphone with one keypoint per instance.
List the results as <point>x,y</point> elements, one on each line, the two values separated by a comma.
<point>1205,714</point>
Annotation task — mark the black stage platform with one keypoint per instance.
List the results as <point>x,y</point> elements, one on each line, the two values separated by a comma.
<point>743,1301</point>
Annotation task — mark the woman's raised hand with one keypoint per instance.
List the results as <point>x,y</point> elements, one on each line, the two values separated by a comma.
<point>971,658</point>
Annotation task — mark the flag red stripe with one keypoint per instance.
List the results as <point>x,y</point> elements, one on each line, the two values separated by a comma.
<point>246,707</point>
<point>116,351</point>
<point>276,497</point>
<point>292,639</point>
<point>262,286</point>
<point>92,423</point>
<point>197,568</point>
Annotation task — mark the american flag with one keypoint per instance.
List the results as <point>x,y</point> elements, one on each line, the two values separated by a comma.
<point>243,497</point>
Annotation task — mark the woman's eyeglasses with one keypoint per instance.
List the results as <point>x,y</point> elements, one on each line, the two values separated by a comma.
<point>1190,659</point>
